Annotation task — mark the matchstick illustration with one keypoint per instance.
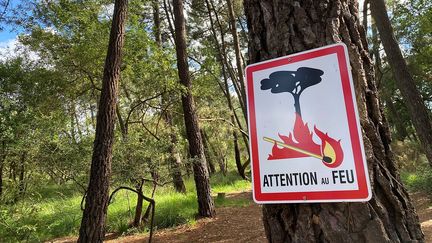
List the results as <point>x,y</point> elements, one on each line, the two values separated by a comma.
<point>318,156</point>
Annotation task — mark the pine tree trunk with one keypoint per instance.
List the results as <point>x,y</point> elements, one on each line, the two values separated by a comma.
<point>240,168</point>
<point>401,131</point>
<point>21,184</point>
<point>209,160</point>
<point>1,179</point>
<point>175,161</point>
<point>277,28</point>
<point>196,148</point>
<point>96,206</point>
<point>417,109</point>
<point>222,60</point>
<point>239,63</point>
<point>2,160</point>
<point>139,205</point>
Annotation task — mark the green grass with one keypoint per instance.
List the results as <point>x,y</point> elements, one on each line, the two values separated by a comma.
<point>55,211</point>
<point>419,180</point>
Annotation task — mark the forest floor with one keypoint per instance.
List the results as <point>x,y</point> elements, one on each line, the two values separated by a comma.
<point>232,224</point>
<point>423,205</point>
<point>243,224</point>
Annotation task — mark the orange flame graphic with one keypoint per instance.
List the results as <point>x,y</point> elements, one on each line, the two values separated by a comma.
<point>300,144</point>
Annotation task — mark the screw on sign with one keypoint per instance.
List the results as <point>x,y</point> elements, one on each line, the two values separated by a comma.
<point>305,134</point>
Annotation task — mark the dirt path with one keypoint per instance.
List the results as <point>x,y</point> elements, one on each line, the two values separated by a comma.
<point>244,224</point>
<point>232,224</point>
<point>423,205</point>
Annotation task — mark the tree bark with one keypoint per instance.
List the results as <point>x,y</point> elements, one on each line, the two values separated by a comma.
<point>222,60</point>
<point>139,205</point>
<point>209,160</point>
<point>220,159</point>
<point>21,184</point>
<point>417,109</point>
<point>1,179</point>
<point>175,161</point>
<point>401,131</point>
<point>240,168</point>
<point>196,149</point>
<point>96,206</point>
<point>365,15</point>
<point>2,160</point>
<point>277,28</point>
<point>222,53</point>
<point>239,63</point>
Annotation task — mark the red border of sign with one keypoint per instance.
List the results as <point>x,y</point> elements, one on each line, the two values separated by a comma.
<point>363,193</point>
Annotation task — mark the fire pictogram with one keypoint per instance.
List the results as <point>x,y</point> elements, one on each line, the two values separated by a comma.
<point>299,143</point>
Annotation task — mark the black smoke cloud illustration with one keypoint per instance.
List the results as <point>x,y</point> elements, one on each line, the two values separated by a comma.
<point>294,82</point>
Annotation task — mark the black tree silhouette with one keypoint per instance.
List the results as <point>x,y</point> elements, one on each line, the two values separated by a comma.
<point>294,82</point>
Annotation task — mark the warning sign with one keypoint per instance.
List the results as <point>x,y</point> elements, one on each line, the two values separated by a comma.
<point>304,129</point>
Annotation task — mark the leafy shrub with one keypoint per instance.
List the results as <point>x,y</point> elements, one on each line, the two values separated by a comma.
<point>420,180</point>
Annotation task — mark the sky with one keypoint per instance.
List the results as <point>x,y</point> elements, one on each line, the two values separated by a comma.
<point>8,32</point>
<point>8,35</point>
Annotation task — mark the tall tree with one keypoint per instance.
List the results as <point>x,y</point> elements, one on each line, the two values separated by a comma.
<point>174,158</point>
<point>196,148</point>
<point>222,59</point>
<point>278,28</point>
<point>2,159</point>
<point>96,206</point>
<point>417,109</point>
<point>239,63</point>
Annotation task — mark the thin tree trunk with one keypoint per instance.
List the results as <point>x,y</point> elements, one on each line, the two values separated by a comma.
<point>222,60</point>
<point>277,28</point>
<point>156,21</point>
<point>196,149</point>
<point>209,160</point>
<point>21,181</point>
<point>123,126</point>
<point>176,167</point>
<point>365,15</point>
<point>2,160</point>
<point>220,159</point>
<point>72,122</point>
<point>375,54</point>
<point>223,52</point>
<point>240,168</point>
<point>175,158</point>
<point>417,109</point>
<point>401,131</point>
<point>146,215</point>
<point>239,63</point>
<point>1,179</point>
<point>96,206</point>
<point>139,205</point>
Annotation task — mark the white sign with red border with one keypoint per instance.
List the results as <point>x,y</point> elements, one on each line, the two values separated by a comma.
<point>304,130</point>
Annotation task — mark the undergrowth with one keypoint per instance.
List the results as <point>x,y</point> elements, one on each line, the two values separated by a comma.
<point>419,180</point>
<point>54,211</point>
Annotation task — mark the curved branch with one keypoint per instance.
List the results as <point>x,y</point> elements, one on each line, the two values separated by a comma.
<point>150,200</point>
<point>140,103</point>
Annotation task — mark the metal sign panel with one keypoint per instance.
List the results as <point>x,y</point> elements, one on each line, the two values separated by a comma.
<point>304,130</point>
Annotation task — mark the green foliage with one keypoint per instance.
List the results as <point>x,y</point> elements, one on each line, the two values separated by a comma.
<point>54,211</point>
<point>46,214</point>
<point>412,23</point>
<point>420,180</point>
<point>408,154</point>
<point>48,110</point>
